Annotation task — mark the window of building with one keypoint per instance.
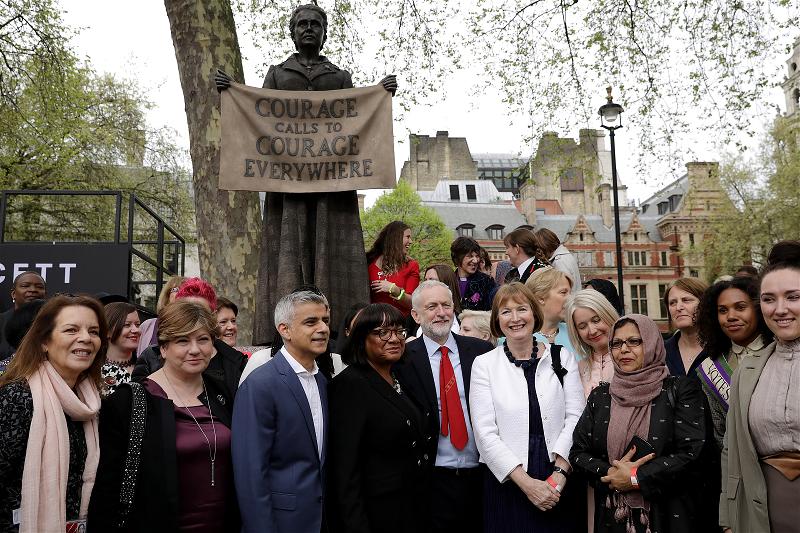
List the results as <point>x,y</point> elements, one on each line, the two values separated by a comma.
<point>635,236</point>
<point>662,288</point>
<point>471,196</point>
<point>691,239</point>
<point>495,232</point>
<point>643,257</point>
<point>664,259</point>
<point>639,299</point>
<point>466,230</point>
<point>694,274</point>
<point>585,259</point>
<point>663,207</point>
<point>608,259</point>
<point>454,194</point>
<point>580,236</point>
<point>637,258</point>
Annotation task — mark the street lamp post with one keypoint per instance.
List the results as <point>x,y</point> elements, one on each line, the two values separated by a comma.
<point>611,120</point>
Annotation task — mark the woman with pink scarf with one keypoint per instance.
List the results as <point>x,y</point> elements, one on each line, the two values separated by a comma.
<point>639,440</point>
<point>49,399</point>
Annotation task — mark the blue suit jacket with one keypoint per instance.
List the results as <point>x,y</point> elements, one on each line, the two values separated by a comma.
<point>277,468</point>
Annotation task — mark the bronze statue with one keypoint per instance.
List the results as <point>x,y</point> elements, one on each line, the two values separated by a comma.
<point>311,238</point>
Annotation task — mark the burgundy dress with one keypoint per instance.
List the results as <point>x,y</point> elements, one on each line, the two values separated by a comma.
<point>201,507</point>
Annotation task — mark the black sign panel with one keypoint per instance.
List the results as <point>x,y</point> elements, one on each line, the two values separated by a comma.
<point>66,267</point>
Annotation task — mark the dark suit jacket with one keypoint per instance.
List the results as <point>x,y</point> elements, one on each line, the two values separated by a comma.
<point>156,496</point>
<point>416,374</point>
<point>277,467</point>
<point>378,464</point>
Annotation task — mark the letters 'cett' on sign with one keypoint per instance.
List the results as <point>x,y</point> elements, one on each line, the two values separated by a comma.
<point>306,141</point>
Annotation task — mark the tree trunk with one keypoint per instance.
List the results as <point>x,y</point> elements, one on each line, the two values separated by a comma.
<point>228,223</point>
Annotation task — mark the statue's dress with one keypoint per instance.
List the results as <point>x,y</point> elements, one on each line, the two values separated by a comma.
<point>310,238</point>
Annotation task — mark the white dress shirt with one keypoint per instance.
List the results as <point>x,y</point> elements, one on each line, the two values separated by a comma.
<point>521,268</point>
<point>309,382</point>
<point>447,455</point>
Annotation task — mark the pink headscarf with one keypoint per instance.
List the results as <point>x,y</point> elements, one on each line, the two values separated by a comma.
<point>632,394</point>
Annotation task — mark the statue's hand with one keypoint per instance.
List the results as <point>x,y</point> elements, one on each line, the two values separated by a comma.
<point>390,83</point>
<point>222,80</point>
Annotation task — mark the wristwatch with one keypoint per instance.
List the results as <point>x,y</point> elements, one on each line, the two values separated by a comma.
<point>561,471</point>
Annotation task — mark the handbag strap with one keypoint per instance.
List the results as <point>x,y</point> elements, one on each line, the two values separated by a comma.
<point>134,454</point>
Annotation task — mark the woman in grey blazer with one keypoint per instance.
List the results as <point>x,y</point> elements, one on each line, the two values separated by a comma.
<point>761,453</point>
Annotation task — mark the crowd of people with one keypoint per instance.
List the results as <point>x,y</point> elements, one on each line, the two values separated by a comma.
<point>471,397</point>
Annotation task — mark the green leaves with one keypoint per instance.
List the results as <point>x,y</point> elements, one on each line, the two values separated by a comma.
<point>431,238</point>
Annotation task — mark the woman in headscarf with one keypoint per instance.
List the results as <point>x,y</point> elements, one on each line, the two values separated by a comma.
<point>640,437</point>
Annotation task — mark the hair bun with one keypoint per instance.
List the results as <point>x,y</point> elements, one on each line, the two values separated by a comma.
<point>785,252</point>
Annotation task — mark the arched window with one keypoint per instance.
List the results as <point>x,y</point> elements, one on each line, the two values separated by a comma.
<point>495,232</point>
<point>466,230</point>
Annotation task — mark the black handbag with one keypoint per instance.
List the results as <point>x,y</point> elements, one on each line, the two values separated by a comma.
<point>133,456</point>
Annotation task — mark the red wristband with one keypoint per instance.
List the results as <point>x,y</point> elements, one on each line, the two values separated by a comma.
<point>634,477</point>
<point>552,482</point>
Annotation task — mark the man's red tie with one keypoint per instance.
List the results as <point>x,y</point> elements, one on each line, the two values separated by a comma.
<point>452,414</point>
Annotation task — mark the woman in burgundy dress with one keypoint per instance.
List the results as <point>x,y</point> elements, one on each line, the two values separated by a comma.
<point>184,481</point>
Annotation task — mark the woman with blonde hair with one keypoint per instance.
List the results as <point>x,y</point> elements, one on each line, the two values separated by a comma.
<point>552,289</point>
<point>684,350</point>
<point>590,317</point>
<point>476,324</point>
<point>49,399</point>
<point>149,330</point>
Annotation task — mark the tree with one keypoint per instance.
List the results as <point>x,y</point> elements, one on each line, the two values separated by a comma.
<point>228,223</point>
<point>431,238</point>
<point>765,193</point>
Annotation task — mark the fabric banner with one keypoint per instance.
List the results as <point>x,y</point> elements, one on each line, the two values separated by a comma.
<point>306,141</point>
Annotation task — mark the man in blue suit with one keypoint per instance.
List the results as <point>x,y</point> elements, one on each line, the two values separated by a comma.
<point>280,419</point>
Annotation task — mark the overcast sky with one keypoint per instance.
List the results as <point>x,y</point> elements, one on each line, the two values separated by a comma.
<point>132,40</point>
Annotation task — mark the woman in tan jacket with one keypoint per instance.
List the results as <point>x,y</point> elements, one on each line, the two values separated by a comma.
<point>761,453</point>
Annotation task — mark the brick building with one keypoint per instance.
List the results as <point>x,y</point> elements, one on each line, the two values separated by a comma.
<point>566,187</point>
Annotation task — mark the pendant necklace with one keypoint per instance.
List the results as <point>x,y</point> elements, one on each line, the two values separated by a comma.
<point>212,456</point>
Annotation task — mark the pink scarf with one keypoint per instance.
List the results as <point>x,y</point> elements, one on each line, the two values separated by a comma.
<point>631,396</point>
<point>44,476</point>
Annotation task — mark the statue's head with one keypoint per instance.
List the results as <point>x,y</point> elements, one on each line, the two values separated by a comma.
<point>308,21</point>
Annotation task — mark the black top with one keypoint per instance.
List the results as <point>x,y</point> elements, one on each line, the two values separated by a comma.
<point>674,361</point>
<point>672,482</point>
<point>156,496</point>
<point>16,413</point>
<point>479,292</point>
<point>377,461</point>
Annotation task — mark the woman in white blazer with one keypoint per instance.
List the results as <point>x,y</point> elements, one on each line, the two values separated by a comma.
<point>524,409</point>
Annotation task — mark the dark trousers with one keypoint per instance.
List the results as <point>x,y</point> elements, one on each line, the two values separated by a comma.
<point>456,500</point>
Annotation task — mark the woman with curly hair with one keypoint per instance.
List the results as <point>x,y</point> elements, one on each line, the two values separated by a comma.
<point>393,275</point>
<point>731,327</point>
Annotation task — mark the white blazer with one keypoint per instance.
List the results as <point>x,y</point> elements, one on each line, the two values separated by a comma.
<point>498,401</point>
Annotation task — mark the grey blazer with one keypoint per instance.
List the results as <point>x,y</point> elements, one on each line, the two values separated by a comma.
<point>743,501</point>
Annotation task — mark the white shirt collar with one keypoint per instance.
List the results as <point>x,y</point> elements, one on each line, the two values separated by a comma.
<point>431,346</point>
<point>296,366</point>
<point>521,268</point>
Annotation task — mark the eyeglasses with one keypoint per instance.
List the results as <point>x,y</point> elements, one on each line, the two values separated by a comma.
<point>386,334</point>
<point>631,342</point>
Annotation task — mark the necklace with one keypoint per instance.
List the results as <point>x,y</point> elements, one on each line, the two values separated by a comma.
<point>211,456</point>
<point>550,336</point>
<point>396,385</point>
<point>523,363</point>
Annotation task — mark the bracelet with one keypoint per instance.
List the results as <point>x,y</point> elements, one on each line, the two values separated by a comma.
<point>561,471</point>
<point>392,287</point>
<point>634,478</point>
<point>399,296</point>
<point>552,483</point>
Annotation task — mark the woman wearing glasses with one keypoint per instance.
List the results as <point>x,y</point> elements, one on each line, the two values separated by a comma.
<point>376,462</point>
<point>639,439</point>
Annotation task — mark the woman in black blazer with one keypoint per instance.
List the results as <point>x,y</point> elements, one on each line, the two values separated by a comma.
<point>184,481</point>
<point>376,460</point>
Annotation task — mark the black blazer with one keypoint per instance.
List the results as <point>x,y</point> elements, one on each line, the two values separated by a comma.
<point>672,482</point>
<point>416,375</point>
<point>377,469</point>
<point>155,508</point>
